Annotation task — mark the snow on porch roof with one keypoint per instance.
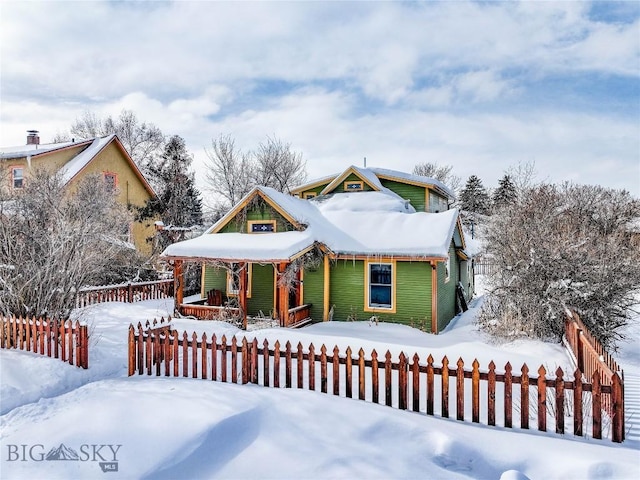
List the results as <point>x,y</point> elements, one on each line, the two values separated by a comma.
<point>267,247</point>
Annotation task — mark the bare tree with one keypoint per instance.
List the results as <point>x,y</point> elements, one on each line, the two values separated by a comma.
<point>442,173</point>
<point>53,241</point>
<point>278,166</point>
<point>232,173</point>
<point>561,247</point>
<point>142,140</point>
<point>229,170</point>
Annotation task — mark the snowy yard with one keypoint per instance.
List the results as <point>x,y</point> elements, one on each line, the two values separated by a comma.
<point>184,428</point>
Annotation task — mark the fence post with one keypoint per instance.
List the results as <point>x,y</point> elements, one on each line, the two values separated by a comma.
<point>491,394</point>
<point>559,401</point>
<point>254,361</point>
<point>445,387</point>
<point>234,360</point>
<point>475,392</point>
<point>415,369</point>
<point>542,399</point>
<point>276,364</point>
<point>348,368</point>
<point>596,396</point>
<point>617,396</point>
<point>387,378</point>
<point>375,385</point>
<point>245,361</point>
<point>130,293</point>
<point>336,370</point>
<point>287,365</point>
<point>577,403</point>
<point>524,397</point>
<point>508,396</point>
<point>300,365</point>
<point>402,382</point>
<point>312,367</point>
<point>265,362</point>
<point>323,369</point>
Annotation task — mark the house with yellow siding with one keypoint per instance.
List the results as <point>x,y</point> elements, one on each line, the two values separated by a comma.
<point>75,160</point>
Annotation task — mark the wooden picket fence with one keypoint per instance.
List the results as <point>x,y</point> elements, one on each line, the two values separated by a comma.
<point>125,292</point>
<point>590,356</point>
<point>406,383</point>
<point>63,339</point>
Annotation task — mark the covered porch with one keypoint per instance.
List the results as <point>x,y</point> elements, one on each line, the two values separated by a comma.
<point>283,291</point>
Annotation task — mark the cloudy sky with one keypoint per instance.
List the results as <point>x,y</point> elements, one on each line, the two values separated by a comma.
<point>480,86</point>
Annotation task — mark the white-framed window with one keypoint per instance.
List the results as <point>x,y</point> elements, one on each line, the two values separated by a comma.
<point>233,278</point>
<point>447,269</point>
<point>17,177</point>
<point>380,286</point>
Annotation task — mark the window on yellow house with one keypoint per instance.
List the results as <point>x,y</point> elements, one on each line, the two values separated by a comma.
<point>17,177</point>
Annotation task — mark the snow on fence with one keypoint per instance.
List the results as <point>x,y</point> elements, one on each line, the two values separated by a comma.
<point>406,383</point>
<point>483,268</point>
<point>61,339</point>
<point>125,292</point>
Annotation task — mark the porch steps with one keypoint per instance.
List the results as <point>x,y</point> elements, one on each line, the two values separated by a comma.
<point>302,323</point>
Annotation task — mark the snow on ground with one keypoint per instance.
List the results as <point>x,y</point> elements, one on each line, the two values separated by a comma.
<point>170,428</point>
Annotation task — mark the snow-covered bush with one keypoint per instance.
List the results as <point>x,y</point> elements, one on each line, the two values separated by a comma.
<point>55,239</point>
<point>560,247</point>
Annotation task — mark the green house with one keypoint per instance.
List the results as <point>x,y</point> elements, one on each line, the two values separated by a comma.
<point>366,243</point>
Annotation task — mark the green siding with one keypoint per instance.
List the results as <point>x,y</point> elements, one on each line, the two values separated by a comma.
<point>447,291</point>
<point>409,192</point>
<point>315,190</point>
<point>413,293</point>
<point>313,291</point>
<point>214,278</point>
<point>347,289</point>
<point>261,290</point>
<point>257,213</point>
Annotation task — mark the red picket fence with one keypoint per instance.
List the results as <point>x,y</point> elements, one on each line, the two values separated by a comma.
<point>125,292</point>
<point>61,339</point>
<point>405,384</point>
<point>591,357</point>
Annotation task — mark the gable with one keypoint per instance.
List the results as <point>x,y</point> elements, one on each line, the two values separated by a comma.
<point>131,187</point>
<point>367,180</point>
<point>256,207</point>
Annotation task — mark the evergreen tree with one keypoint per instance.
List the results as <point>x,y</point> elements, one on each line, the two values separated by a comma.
<point>178,203</point>
<point>506,193</point>
<point>474,197</point>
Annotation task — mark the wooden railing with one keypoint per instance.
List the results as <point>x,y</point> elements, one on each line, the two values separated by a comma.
<point>406,383</point>
<point>125,292</point>
<point>299,315</point>
<point>209,312</point>
<point>591,357</point>
<point>63,339</point>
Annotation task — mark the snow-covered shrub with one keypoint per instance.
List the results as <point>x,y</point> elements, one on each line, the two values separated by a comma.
<point>560,247</point>
<point>57,239</point>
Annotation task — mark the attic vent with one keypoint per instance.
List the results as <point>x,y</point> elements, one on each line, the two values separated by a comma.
<point>32,137</point>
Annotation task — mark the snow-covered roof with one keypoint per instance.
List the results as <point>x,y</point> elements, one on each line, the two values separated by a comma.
<point>81,160</point>
<point>372,176</point>
<point>363,223</point>
<point>22,151</point>
<point>419,179</point>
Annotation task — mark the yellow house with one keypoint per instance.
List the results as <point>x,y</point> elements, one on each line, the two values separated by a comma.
<point>105,156</point>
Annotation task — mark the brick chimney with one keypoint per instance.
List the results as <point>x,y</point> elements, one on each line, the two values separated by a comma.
<point>32,137</point>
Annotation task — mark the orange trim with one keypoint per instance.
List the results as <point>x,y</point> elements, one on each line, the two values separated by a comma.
<point>13,176</point>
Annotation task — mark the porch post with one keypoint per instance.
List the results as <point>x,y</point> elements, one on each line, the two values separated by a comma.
<point>283,298</point>
<point>242,293</point>
<point>434,297</point>
<point>326,290</point>
<point>178,284</point>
